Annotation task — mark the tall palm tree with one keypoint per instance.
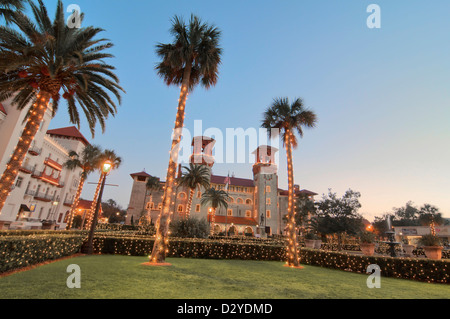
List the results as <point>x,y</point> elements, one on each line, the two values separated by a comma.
<point>215,199</point>
<point>44,60</point>
<point>7,8</point>
<point>195,176</point>
<point>88,162</point>
<point>287,119</point>
<point>153,184</point>
<point>106,155</point>
<point>192,58</point>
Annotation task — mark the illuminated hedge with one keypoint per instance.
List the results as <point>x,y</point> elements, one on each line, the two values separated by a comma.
<point>18,252</point>
<point>406,268</point>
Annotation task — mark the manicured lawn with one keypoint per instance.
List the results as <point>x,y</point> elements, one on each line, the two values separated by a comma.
<point>109,276</point>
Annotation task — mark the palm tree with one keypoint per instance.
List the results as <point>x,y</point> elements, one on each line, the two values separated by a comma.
<point>286,119</point>
<point>153,184</point>
<point>88,162</point>
<point>193,58</point>
<point>106,155</point>
<point>44,60</point>
<point>7,8</point>
<point>215,199</point>
<point>430,215</point>
<point>195,176</point>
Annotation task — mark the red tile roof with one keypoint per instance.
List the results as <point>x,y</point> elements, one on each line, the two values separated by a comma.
<point>234,220</point>
<point>215,179</point>
<point>70,131</point>
<point>2,109</point>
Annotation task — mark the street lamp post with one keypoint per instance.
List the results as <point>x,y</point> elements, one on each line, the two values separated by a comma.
<point>106,168</point>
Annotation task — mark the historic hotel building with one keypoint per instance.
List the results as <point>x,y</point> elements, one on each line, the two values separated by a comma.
<point>44,189</point>
<point>256,206</point>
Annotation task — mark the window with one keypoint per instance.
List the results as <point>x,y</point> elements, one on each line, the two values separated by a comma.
<point>197,208</point>
<point>248,201</point>
<point>231,200</point>
<point>229,212</point>
<point>239,201</point>
<point>267,201</point>
<point>248,213</point>
<point>267,189</point>
<point>40,212</point>
<point>19,181</point>
<point>199,194</point>
<point>180,208</point>
<point>267,214</point>
<point>159,206</point>
<point>182,195</point>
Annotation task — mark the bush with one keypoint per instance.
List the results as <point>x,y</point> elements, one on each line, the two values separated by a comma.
<point>190,227</point>
<point>22,251</point>
<point>367,237</point>
<point>430,240</point>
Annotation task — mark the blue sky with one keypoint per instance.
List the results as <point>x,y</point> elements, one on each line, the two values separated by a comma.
<point>381,95</point>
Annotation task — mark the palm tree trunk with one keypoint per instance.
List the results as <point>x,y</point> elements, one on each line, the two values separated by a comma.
<point>189,203</point>
<point>31,127</point>
<point>160,247</point>
<point>212,221</point>
<point>76,200</point>
<point>94,202</point>
<point>292,251</point>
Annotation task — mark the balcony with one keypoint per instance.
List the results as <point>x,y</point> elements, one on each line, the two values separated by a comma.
<point>26,169</point>
<point>68,203</point>
<point>43,197</point>
<point>47,178</point>
<point>35,151</point>
<point>53,164</point>
<point>30,192</point>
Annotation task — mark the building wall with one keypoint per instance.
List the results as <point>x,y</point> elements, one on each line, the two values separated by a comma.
<point>47,200</point>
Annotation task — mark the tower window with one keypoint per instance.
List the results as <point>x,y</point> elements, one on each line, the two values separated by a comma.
<point>267,189</point>
<point>197,208</point>
<point>267,214</point>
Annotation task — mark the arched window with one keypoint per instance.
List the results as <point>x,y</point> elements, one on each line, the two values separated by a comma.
<point>239,200</point>
<point>267,189</point>
<point>182,195</point>
<point>180,208</point>
<point>231,200</point>
<point>248,201</point>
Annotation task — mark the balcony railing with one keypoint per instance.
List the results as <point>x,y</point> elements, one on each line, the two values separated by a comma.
<point>26,169</point>
<point>44,197</point>
<point>35,151</point>
<point>53,164</point>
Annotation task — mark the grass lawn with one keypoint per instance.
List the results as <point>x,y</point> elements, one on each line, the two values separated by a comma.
<point>109,276</point>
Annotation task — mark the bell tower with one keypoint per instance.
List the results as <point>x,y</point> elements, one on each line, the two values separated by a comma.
<point>266,190</point>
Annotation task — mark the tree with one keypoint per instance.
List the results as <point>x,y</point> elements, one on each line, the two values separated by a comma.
<point>287,119</point>
<point>406,215</point>
<point>106,155</point>
<point>195,176</point>
<point>153,184</point>
<point>305,213</point>
<point>8,7</point>
<point>193,58</point>
<point>430,215</point>
<point>339,215</point>
<point>215,199</point>
<point>88,162</point>
<point>41,62</point>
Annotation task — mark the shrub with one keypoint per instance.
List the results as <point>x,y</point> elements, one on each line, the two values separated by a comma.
<point>22,251</point>
<point>367,237</point>
<point>190,227</point>
<point>429,240</point>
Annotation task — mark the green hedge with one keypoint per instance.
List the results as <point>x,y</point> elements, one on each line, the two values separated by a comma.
<point>22,251</point>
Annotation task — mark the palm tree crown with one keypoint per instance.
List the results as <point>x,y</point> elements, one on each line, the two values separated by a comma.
<point>87,160</point>
<point>215,198</point>
<point>195,176</point>
<point>283,117</point>
<point>195,46</point>
<point>50,57</point>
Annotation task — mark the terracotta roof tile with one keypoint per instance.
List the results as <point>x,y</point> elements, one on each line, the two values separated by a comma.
<point>70,131</point>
